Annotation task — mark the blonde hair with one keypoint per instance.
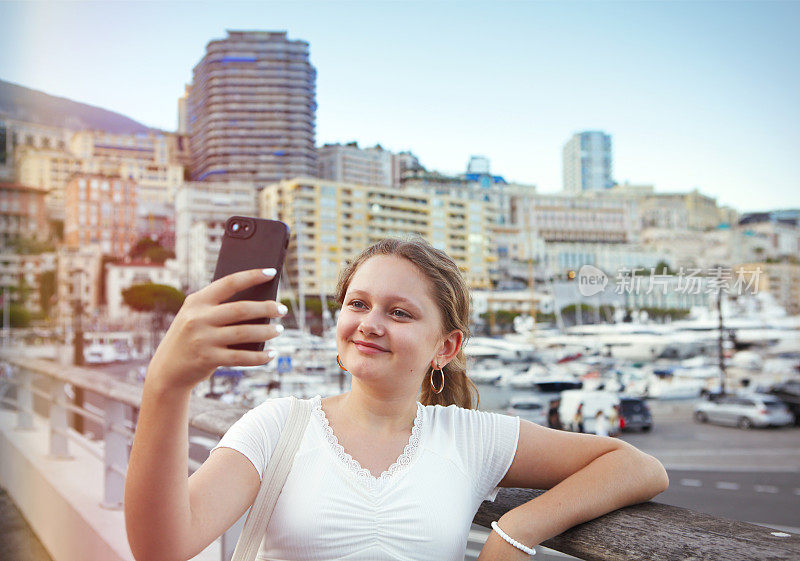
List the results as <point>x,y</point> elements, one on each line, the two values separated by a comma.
<point>450,292</point>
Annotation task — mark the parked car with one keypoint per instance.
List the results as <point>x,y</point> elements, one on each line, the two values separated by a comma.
<point>744,411</point>
<point>635,414</point>
<point>529,408</point>
<point>789,394</point>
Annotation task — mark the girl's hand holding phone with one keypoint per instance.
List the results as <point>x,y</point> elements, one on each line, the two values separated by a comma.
<point>196,342</point>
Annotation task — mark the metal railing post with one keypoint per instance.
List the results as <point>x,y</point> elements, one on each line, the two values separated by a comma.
<point>115,454</point>
<point>24,398</point>
<point>59,441</point>
<point>230,537</point>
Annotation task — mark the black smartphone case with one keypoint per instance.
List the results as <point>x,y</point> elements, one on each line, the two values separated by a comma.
<point>253,243</point>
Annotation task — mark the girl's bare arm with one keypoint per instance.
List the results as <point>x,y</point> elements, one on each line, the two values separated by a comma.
<point>168,515</point>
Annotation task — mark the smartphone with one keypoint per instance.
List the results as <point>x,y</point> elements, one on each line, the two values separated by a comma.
<point>253,243</point>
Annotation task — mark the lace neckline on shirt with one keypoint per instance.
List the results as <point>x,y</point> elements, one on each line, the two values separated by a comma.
<point>352,464</point>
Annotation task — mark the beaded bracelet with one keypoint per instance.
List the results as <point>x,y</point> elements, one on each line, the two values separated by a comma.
<point>512,541</point>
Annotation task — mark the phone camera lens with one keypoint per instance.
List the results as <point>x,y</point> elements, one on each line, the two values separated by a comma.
<point>235,227</point>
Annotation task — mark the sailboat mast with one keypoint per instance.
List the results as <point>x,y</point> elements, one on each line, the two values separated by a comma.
<point>301,318</point>
<point>531,280</point>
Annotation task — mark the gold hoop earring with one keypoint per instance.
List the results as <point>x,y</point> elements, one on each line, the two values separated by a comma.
<point>339,362</point>
<point>434,387</point>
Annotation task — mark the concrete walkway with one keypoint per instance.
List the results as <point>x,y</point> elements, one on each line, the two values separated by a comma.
<point>17,540</point>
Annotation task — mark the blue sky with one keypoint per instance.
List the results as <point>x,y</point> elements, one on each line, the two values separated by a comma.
<point>694,94</point>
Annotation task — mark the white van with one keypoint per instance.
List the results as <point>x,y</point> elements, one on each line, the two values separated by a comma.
<point>99,354</point>
<point>593,401</point>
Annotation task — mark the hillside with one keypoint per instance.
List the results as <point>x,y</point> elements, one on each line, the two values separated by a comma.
<point>24,104</point>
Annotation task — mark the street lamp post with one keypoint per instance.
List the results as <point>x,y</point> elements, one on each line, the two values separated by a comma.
<point>77,342</point>
<point>720,349</point>
<point>77,316</point>
<point>720,338</point>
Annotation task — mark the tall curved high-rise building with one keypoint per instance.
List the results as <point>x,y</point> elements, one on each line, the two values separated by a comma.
<point>251,109</point>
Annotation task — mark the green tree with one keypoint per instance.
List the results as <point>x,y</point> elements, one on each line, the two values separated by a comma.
<point>663,269</point>
<point>570,313</point>
<point>29,246</point>
<point>158,299</point>
<point>661,313</point>
<point>150,250</point>
<point>542,317</point>
<point>19,294</point>
<point>18,316</point>
<point>152,297</point>
<point>313,313</point>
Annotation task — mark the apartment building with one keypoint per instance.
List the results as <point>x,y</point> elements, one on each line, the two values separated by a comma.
<point>146,158</point>
<point>587,162</point>
<point>251,109</point>
<point>347,163</point>
<point>22,214</point>
<point>49,169</point>
<point>183,111</point>
<point>15,135</point>
<point>209,204</point>
<point>479,165</point>
<point>691,210</point>
<point>25,270</point>
<point>513,243</point>
<point>701,211</point>
<point>157,222</point>
<point>558,258</point>
<point>78,282</point>
<point>331,222</point>
<point>777,240</point>
<point>101,210</point>
<point>152,160</point>
<point>723,245</point>
<point>781,280</point>
<point>581,218</point>
<point>121,276</point>
<point>178,150</point>
<point>790,216</point>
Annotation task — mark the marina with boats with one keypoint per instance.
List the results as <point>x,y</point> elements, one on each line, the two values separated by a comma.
<point>640,359</point>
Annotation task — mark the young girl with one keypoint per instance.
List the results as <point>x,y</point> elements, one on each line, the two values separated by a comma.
<point>393,469</point>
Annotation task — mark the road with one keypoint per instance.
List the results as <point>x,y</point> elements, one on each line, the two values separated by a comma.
<point>748,475</point>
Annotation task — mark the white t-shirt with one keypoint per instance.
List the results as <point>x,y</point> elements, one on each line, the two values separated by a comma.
<point>420,509</point>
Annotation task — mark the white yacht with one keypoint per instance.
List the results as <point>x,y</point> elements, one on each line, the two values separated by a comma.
<point>543,378</point>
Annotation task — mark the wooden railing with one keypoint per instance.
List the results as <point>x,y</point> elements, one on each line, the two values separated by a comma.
<point>647,532</point>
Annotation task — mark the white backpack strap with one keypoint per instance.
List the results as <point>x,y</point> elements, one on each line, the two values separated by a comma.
<point>278,468</point>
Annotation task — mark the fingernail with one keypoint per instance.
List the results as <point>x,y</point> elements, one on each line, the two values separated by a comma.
<point>269,272</point>
<point>279,328</point>
<point>282,309</point>
<point>272,353</point>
